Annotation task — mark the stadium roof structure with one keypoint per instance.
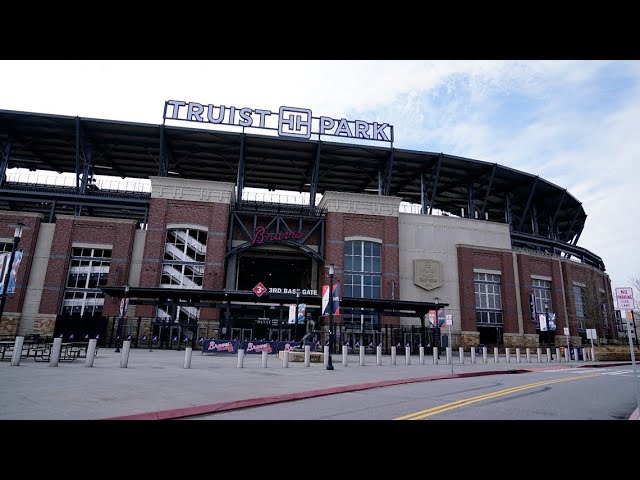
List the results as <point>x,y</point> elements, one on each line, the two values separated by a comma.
<point>542,216</point>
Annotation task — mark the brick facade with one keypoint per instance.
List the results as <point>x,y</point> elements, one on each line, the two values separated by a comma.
<point>85,230</point>
<point>210,216</point>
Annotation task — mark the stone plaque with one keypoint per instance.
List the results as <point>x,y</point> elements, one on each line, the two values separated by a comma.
<point>427,274</point>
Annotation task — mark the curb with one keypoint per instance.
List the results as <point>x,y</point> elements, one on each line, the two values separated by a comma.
<point>177,413</point>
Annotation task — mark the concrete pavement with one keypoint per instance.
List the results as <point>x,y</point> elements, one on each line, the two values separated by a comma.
<point>155,385</point>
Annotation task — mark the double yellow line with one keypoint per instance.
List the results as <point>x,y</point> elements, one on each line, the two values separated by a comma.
<point>468,401</point>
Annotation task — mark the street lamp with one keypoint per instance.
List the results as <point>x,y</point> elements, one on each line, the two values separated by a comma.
<point>123,309</point>
<point>17,234</point>
<point>329,364</point>
<point>436,337</point>
<point>295,324</point>
<point>546,319</point>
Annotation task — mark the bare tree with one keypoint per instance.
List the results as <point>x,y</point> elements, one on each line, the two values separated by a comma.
<point>594,307</point>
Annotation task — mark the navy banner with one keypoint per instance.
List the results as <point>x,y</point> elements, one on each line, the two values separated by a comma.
<point>213,345</point>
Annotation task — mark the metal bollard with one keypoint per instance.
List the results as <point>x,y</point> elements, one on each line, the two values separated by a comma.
<point>407,356</point>
<point>449,354</point>
<point>55,352</point>
<point>91,353</point>
<point>473,355</point>
<point>461,353</point>
<point>325,356</point>
<point>484,355</point>
<point>187,357</point>
<point>528,352</point>
<point>507,355</point>
<point>17,351</point>
<point>362,355</point>
<point>307,355</point>
<point>124,356</point>
<point>285,359</point>
<point>421,353</point>
<point>495,354</point>
<point>435,355</point>
<point>379,355</point>
<point>240,358</point>
<point>345,355</point>
<point>517,355</point>
<point>567,354</point>
<point>393,355</point>
<point>585,356</point>
<point>558,356</point>
<point>548,354</point>
<point>592,356</point>
<point>539,352</point>
<point>265,356</point>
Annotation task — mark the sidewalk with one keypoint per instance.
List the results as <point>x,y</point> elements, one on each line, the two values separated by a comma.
<point>155,385</point>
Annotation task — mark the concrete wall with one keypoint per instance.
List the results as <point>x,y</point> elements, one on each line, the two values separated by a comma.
<point>36,278</point>
<point>430,237</point>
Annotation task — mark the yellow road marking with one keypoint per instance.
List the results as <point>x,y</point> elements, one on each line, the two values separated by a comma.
<point>468,401</point>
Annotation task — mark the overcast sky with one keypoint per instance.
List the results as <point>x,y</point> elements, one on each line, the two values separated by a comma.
<point>573,123</point>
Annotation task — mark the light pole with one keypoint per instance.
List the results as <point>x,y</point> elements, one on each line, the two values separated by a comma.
<point>546,319</point>
<point>17,234</point>
<point>329,364</point>
<point>295,324</point>
<point>436,337</point>
<point>123,309</point>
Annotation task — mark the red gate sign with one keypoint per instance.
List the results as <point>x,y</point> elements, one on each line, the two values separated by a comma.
<point>259,289</point>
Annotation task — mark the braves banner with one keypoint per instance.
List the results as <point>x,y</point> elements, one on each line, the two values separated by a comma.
<point>220,346</point>
<point>441,318</point>
<point>213,345</point>
<point>335,299</point>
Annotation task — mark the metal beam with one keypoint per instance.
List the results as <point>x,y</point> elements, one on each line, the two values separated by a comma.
<point>526,208</point>
<point>424,187</point>
<point>470,205</point>
<point>577,237</point>
<point>78,154</point>
<point>6,154</point>
<point>240,177</point>
<point>313,188</point>
<point>387,179</point>
<point>568,233</point>
<point>486,196</point>
<point>165,154</point>
<point>555,215</point>
<point>435,184</point>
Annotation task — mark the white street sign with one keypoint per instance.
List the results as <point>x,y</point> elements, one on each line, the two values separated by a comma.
<point>566,331</point>
<point>624,298</point>
<point>591,333</point>
<point>449,319</point>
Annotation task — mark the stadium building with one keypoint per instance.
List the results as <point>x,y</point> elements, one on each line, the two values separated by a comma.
<point>204,244</point>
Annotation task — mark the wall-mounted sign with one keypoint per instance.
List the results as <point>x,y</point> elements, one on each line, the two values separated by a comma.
<point>261,236</point>
<point>427,274</point>
<point>288,121</point>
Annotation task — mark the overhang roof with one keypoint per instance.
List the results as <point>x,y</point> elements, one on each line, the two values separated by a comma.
<point>126,149</point>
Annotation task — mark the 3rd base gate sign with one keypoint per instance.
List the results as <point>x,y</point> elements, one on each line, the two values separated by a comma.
<point>624,298</point>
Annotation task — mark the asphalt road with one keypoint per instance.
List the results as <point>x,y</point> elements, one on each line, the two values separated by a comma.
<point>566,394</point>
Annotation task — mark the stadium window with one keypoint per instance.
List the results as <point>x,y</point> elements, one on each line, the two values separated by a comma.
<point>488,299</point>
<point>88,270</point>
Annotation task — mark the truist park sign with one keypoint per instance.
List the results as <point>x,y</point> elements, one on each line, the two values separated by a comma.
<point>288,121</point>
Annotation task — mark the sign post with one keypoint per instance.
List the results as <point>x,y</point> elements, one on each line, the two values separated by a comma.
<point>624,300</point>
<point>449,319</point>
<point>566,332</point>
<point>633,362</point>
